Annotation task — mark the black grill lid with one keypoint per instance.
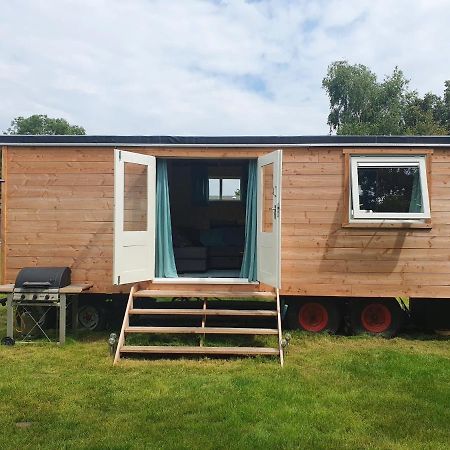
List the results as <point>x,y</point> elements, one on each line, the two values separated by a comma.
<point>43,277</point>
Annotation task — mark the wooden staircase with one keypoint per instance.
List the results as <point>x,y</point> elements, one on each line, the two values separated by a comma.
<point>201,313</point>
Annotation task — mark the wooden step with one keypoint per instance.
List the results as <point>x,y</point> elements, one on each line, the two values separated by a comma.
<point>180,350</point>
<point>156,293</point>
<point>217,292</point>
<point>200,330</point>
<point>203,312</point>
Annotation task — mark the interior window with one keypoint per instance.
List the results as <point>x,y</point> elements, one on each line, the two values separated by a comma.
<point>224,189</point>
<point>214,189</point>
<point>389,188</point>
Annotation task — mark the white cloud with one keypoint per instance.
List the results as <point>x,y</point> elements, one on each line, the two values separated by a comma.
<point>206,67</point>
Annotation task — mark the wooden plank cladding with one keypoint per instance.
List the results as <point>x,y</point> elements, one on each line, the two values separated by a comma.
<point>60,212</point>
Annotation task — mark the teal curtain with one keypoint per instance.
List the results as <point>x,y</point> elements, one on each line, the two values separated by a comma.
<point>165,260</point>
<point>248,268</point>
<point>200,184</point>
<point>415,205</point>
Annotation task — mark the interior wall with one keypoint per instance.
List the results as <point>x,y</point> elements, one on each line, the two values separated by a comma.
<point>188,215</point>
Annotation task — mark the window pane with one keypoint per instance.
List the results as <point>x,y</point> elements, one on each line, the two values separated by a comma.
<point>267,201</point>
<point>390,189</point>
<point>231,189</point>
<point>214,189</point>
<point>135,198</point>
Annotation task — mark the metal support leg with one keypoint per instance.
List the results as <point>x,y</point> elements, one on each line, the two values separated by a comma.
<point>74,313</point>
<point>9,316</point>
<point>62,319</point>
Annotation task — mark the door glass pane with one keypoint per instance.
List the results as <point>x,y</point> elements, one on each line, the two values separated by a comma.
<point>390,189</point>
<point>267,200</point>
<point>135,197</point>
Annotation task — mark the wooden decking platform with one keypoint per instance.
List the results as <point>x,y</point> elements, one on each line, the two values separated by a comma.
<point>223,295</point>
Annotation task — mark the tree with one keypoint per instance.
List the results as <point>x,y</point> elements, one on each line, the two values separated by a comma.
<point>359,104</point>
<point>41,124</point>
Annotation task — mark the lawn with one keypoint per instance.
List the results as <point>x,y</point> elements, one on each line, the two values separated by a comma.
<point>335,392</point>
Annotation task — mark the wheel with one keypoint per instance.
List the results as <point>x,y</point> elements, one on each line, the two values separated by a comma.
<point>9,341</point>
<point>92,317</point>
<point>315,315</point>
<point>382,317</point>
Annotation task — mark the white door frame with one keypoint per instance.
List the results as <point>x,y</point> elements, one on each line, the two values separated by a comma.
<point>134,251</point>
<point>269,243</point>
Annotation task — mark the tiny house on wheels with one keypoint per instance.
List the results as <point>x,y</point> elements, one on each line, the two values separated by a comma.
<point>332,226</point>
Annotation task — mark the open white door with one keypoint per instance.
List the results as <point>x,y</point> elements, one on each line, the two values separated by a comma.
<point>134,217</point>
<point>269,219</point>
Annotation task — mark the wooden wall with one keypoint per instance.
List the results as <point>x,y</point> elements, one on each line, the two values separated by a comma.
<point>59,210</point>
<point>320,257</point>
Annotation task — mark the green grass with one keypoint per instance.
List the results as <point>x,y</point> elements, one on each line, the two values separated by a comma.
<point>334,393</point>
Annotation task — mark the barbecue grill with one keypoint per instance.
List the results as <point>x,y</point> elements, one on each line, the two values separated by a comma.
<point>40,284</point>
<point>36,291</point>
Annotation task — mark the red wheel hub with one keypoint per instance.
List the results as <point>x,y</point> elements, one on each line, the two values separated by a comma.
<point>376,318</point>
<point>313,317</point>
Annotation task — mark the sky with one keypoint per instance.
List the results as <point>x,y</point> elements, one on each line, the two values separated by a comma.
<point>207,67</point>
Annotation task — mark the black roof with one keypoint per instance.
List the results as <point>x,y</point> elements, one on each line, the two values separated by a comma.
<point>223,140</point>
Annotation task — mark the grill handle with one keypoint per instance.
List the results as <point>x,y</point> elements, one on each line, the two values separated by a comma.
<point>42,284</point>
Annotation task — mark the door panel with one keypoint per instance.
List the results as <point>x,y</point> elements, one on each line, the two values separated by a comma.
<point>134,217</point>
<point>269,219</point>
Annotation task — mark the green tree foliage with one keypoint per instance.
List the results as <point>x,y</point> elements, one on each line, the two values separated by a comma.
<point>360,104</point>
<point>41,124</point>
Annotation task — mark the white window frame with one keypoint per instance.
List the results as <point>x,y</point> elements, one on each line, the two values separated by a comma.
<point>357,162</point>
<point>221,199</point>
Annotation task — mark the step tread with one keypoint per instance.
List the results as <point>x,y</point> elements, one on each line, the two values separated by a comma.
<point>203,312</point>
<point>163,349</point>
<point>200,330</point>
<point>157,293</point>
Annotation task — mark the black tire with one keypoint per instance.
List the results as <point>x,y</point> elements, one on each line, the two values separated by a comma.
<point>378,317</point>
<point>92,317</point>
<point>314,315</point>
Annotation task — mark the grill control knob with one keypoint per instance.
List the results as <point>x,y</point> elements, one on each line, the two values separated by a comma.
<point>47,297</point>
<point>22,297</point>
<point>34,296</point>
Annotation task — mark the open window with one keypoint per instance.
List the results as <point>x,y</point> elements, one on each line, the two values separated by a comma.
<point>388,188</point>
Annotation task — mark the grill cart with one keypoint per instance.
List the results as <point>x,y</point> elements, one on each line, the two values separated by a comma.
<point>36,291</point>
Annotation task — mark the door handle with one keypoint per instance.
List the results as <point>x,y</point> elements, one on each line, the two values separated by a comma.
<point>274,210</point>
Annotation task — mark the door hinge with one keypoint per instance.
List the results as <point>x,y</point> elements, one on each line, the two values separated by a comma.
<point>120,155</point>
<point>118,279</point>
